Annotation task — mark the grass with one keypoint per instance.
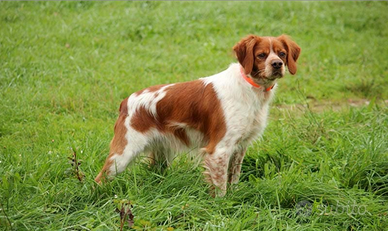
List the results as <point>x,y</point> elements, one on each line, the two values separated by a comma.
<point>66,66</point>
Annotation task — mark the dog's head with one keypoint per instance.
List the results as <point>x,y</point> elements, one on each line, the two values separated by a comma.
<point>264,58</point>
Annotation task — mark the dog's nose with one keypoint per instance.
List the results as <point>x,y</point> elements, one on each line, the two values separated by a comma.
<point>277,64</point>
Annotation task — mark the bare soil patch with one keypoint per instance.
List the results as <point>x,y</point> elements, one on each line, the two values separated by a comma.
<point>321,106</point>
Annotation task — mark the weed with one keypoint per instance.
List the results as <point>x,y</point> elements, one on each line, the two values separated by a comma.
<point>125,212</point>
<point>75,163</point>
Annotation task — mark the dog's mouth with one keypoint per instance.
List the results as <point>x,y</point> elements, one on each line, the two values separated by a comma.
<point>262,74</point>
<point>264,81</point>
<point>275,75</point>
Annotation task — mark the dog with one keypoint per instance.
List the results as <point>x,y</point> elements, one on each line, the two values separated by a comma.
<point>219,115</point>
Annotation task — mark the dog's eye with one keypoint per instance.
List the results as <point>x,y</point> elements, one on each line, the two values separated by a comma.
<point>282,54</point>
<point>261,55</point>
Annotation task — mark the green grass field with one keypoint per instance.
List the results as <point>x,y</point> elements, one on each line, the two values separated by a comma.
<point>66,66</point>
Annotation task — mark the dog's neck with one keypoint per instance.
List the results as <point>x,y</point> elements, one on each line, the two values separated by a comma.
<point>266,86</point>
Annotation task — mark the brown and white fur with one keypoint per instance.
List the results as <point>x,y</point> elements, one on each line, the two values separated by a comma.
<point>218,115</point>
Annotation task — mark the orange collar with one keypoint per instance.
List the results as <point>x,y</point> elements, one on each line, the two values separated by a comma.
<point>250,81</point>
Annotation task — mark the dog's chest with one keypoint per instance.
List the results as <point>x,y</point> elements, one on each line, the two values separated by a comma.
<point>246,116</point>
<point>255,121</point>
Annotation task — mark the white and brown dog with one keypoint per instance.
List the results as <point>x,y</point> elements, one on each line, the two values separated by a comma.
<point>219,115</point>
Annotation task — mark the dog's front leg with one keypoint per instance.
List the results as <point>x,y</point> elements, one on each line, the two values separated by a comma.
<point>235,164</point>
<point>216,174</point>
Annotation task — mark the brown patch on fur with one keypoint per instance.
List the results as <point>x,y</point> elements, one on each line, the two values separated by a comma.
<point>190,103</point>
<point>293,52</point>
<point>244,50</point>
<point>118,142</point>
<point>142,120</point>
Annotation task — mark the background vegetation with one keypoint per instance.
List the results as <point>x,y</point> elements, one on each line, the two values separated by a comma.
<point>66,66</point>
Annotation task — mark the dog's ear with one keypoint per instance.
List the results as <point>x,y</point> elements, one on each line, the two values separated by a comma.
<point>244,52</point>
<point>293,52</point>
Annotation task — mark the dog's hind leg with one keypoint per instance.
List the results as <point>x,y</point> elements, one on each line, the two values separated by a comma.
<point>118,161</point>
<point>125,146</point>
